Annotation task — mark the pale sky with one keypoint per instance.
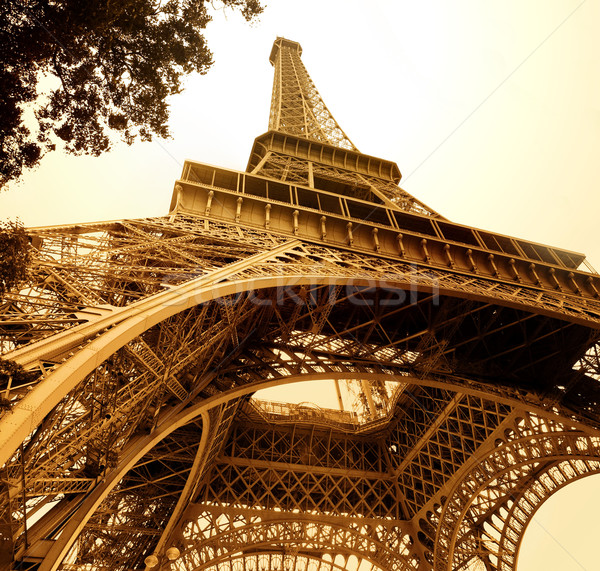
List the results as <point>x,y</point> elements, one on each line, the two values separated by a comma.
<point>490,108</point>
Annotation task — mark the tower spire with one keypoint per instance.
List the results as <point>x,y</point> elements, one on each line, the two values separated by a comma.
<point>305,145</point>
<point>296,106</point>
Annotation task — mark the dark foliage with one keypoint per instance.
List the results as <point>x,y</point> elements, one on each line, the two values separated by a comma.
<point>15,256</point>
<point>14,375</point>
<point>114,64</point>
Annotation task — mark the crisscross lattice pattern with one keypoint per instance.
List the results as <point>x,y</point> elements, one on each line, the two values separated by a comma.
<point>296,106</point>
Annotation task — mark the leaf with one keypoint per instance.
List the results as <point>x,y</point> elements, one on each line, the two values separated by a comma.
<point>115,63</point>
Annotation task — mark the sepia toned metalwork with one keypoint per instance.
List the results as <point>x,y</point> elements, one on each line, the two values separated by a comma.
<point>136,438</point>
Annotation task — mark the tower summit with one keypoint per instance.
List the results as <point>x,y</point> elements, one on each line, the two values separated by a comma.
<point>305,144</point>
<point>296,106</point>
<point>131,437</point>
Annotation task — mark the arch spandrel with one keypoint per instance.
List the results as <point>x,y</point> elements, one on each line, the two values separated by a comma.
<point>534,458</point>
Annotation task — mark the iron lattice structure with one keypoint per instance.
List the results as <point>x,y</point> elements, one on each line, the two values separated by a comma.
<point>134,441</point>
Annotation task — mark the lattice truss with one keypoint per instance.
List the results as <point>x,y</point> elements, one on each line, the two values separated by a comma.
<point>84,270</point>
<point>298,109</point>
<point>349,494</point>
<point>296,106</point>
<point>300,171</point>
<point>147,452</point>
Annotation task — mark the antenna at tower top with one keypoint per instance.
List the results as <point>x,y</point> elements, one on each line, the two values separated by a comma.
<point>296,106</point>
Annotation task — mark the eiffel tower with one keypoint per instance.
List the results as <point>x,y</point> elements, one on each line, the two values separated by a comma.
<point>465,363</point>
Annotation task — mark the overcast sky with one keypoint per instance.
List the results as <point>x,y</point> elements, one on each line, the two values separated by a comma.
<point>490,108</point>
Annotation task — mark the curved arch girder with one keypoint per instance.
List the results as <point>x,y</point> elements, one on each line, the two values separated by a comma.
<point>496,484</point>
<point>214,534</point>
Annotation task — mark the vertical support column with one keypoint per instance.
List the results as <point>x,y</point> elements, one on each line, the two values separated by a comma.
<point>338,392</point>
<point>366,387</point>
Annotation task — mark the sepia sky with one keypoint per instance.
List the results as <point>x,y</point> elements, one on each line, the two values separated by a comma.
<point>491,110</point>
